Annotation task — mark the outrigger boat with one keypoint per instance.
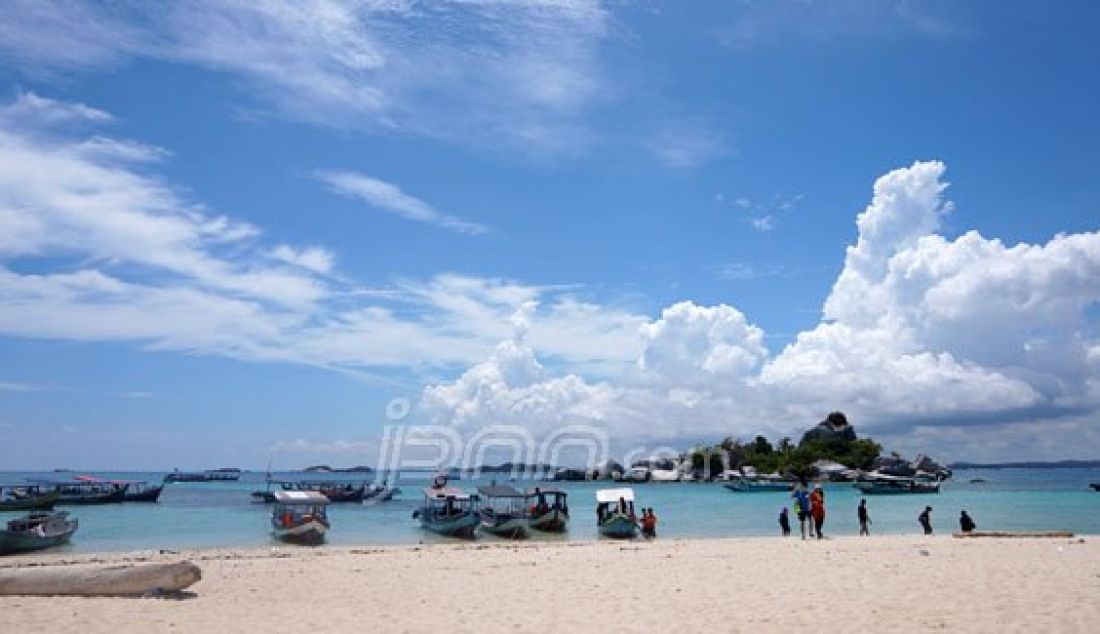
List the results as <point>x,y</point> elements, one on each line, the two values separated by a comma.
<point>448,511</point>
<point>300,516</point>
<point>879,484</point>
<point>36,531</point>
<point>615,513</point>
<point>335,491</point>
<point>504,511</point>
<point>27,498</point>
<point>549,510</point>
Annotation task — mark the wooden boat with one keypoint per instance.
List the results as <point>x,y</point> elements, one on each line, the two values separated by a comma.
<point>82,492</point>
<point>300,516</point>
<point>23,498</point>
<point>549,510</point>
<point>215,475</point>
<point>36,531</point>
<point>335,491</point>
<point>745,485</point>
<point>895,485</point>
<point>448,511</point>
<point>615,513</point>
<point>136,490</point>
<point>1095,486</point>
<point>503,511</point>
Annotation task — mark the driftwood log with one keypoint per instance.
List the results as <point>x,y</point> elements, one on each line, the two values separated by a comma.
<point>112,581</point>
<point>1015,534</point>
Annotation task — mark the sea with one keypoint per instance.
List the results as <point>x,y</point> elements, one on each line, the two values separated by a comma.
<point>222,514</point>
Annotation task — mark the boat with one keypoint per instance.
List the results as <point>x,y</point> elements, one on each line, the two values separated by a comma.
<point>335,491</point>
<point>136,490</point>
<point>1095,486</point>
<point>81,492</point>
<point>880,484</point>
<point>665,475</point>
<point>448,511</point>
<point>615,513</point>
<point>383,493</point>
<point>215,475</point>
<point>504,511</point>
<point>745,485</point>
<point>23,498</point>
<point>40,529</point>
<point>549,510</point>
<point>300,516</point>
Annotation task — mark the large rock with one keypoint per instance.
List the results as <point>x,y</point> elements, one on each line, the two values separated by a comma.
<point>834,429</point>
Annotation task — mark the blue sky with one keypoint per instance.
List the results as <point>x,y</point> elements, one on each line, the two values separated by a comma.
<point>276,219</point>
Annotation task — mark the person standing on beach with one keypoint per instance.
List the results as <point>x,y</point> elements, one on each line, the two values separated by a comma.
<point>784,522</point>
<point>817,509</point>
<point>966,523</point>
<point>649,523</point>
<point>864,518</point>
<point>802,507</point>
<point>925,519</point>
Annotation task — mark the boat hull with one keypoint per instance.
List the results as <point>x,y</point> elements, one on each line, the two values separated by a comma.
<point>511,528</point>
<point>462,526</point>
<point>308,532</point>
<point>758,487</point>
<point>619,527</point>
<point>553,521</point>
<point>99,498</point>
<point>874,488</point>
<point>12,542</point>
<point>1095,486</point>
<point>43,502</point>
<point>151,494</point>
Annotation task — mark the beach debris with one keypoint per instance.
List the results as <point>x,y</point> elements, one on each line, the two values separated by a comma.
<point>1015,534</point>
<point>111,581</point>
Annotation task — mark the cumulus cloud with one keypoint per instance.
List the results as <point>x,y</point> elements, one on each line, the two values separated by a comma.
<point>389,197</point>
<point>919,332</point>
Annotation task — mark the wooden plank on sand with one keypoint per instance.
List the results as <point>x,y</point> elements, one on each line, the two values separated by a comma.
<point>1015,534</point>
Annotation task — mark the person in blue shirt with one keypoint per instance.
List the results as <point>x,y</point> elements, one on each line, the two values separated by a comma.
<point>802,507</point>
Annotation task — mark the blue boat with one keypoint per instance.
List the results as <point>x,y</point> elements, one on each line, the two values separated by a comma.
<point>744,485</point>
<point>448,511</point>
<point>615,515</point>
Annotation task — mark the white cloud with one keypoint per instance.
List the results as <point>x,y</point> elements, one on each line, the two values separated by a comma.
<point>920,333</point>
<point>762,224</point>
<point>14,386</point>
<point>313,258</point>
<point>389,197</point>
<point>481,71</point>
<point>687,144</point>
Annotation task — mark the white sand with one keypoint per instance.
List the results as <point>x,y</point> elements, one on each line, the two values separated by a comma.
<point>716,585</point>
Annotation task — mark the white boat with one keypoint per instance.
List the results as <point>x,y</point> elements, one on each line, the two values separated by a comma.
<point>636,474</point>
<point>300,516</point>
<point>880,484</point>
<point>664,475</point>
<point>615,513</point>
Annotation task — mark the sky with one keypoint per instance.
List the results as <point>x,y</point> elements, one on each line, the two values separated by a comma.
<point>235,232</point>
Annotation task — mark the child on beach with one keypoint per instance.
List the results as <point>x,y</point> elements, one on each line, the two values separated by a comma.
<point>966,523</point>
<point>864,518</point>
<point>784,522</point>
<point>925,519</point>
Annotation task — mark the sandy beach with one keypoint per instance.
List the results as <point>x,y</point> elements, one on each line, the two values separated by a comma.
<point>759,584</point>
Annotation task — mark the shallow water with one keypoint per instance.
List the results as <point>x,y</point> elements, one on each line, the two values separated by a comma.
<point>199,515</point>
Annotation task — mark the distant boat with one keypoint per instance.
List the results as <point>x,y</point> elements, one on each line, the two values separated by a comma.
<point>1095,486</point>
<point>27,498</point>
<point>36,531</point>
<point>214,475</point>
<point>448,511</point>
<point>300,516</point>
<point>745,485</point>
<point>549,511</point>
<point>503,511</point>
<point>615,513</point>
<point>136,490</point>
<point>333,490</point>
<point>879,484</point>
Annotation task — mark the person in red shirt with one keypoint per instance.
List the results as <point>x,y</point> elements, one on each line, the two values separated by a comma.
<point>649,523</point>
<point>817,509</point>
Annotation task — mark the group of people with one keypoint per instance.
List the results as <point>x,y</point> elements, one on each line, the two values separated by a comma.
<point>810,509</point>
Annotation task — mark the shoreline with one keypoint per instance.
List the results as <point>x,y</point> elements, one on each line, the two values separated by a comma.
<point>732,584</point>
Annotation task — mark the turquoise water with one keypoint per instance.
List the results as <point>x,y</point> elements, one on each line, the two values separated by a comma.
<point>192,515</point>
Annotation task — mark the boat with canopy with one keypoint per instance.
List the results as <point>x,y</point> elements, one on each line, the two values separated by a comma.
<point>503,511</point>
<point>300,516</point>
<point>615,515</point>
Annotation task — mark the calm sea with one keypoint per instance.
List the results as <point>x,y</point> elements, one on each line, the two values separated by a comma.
<point>191,515</point>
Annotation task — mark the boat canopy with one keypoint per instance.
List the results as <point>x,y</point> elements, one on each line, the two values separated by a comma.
<point>500,491</point>
<point>300,497</point>
<point>441,493</point>
<point>612,495</point>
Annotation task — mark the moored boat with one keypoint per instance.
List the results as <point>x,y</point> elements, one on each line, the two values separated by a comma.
<point>36,531</point>
<point>895,485</point>
<point>335,491</point>
<point>82,492</point>
<point>549,510</point>
<point>300,516</point>
<point>615,515</point>
<point>27,498</point>
<point>745,485</point>
<point>136,490</point>
<point>503,511</point>
<point>1095,486</point>
<point>214,475</point>
<point>448,511</point>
